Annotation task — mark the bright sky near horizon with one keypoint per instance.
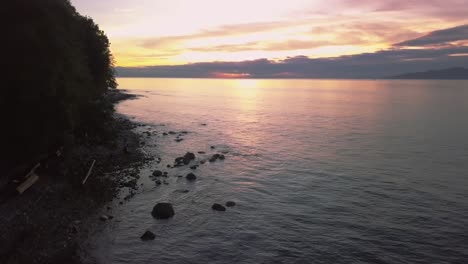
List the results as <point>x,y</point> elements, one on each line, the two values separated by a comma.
<point>156,32</point>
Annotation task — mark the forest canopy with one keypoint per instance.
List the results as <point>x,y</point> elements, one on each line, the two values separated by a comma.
<point>59,70</point>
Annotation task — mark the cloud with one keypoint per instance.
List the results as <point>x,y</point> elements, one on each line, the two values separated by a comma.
<point>419,54</point>
<point>226,30</point>
<point>367,65</point>
<point>439,37</point>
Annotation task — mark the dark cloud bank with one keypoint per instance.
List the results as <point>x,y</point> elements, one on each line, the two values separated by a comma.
<point>436,50</point>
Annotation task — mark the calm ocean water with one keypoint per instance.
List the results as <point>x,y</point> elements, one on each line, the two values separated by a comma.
<point>322,171</point>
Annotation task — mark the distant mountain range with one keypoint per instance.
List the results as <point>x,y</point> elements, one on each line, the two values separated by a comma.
<point>457,73</point>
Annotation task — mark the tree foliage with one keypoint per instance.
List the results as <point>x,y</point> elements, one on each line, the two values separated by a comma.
<point>59,70</point>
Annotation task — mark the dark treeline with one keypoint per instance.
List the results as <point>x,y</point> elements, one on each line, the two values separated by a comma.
<point>59,69</point>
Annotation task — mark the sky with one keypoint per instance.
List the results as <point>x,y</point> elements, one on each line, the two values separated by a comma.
<point>294,38</point>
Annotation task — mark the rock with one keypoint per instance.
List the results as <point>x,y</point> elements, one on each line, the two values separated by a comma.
<point>184,132</point>
<point>189,156</point>
<point>214,157</point>
<point>165,173</point>
<point>178,139</point>
<point>203,124</point>
<point>212,147</point>
<point>194,167</point>
<point>218,207</point>
<point>201,152</point>
<point>202,161</point>
<point>191,177</point>
<point>221,157</point>
<point>168,166</point>
<point>103,218</point>
<point>157,173</point>
<point>158,182</point>
<point>148,235</point>
<point>163,211</point>
<point>165,134</point>
<point>230,204</point>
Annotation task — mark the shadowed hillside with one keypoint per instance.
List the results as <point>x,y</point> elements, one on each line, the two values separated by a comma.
<point>445,74</point>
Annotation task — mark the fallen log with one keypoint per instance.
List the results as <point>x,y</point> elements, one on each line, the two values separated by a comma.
<point>27,183</point>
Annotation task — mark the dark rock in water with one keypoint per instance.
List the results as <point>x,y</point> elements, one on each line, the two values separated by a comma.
<point>163,211</point>
<point>148,235</point>
<point>202,161</point>
<point>212,147</point>
<point>168,166</point>
<point>230,204</point>
<point>158,182</point>
<point>203,124</point>
<point>184,132</point>
<point>165,173</point>
<point>201,152</point>
<point>214,158</point>
<point>172,132</point>
<point>218,207</point>
<point>165,134</point>
<point>189,156</point>
<point>194,167</point>
<point>178,139</point>
<point>191,177</point>
<point>221,157</point>
<point>157,173</point>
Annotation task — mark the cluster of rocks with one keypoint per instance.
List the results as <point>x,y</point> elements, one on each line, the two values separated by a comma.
<point>185,160</point>
<point>216,157</point>
<point>179,135</point>
<point>219,207</point>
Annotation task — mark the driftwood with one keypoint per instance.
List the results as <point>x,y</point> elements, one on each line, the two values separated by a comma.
<point>27,183</point>
<point>89,172</point>
<point>31,172</point>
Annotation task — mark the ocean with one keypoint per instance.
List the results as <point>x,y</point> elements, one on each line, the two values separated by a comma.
<point>322,171</point>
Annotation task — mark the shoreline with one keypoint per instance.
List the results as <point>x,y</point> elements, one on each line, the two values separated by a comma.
<point>49,222</point>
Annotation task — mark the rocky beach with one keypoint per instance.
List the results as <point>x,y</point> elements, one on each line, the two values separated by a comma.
<point>48,222</point>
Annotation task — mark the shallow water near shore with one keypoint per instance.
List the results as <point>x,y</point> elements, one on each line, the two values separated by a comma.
<point>322,171</point>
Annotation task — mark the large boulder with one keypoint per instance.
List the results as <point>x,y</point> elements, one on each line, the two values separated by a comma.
<point>218,207</point>
<point>191,177</point>
<point>163,211</point>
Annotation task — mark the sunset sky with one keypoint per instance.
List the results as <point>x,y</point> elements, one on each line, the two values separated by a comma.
<point>178,32</point>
